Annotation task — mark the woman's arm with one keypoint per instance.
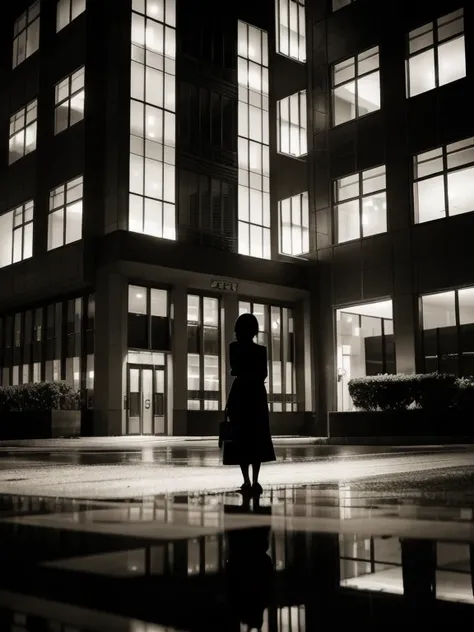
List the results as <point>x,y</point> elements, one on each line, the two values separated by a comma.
<point>233,355</point>
<point>264,367</point>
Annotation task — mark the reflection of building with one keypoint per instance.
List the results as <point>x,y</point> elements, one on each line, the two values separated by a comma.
<point>216,170</point>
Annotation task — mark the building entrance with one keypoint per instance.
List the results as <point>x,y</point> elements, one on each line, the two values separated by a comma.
<point>146,414</point>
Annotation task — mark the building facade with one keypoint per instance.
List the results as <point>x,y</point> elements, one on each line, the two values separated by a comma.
<point>166,169</point>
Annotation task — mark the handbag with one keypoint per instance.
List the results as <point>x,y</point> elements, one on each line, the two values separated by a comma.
<point>225,430</point>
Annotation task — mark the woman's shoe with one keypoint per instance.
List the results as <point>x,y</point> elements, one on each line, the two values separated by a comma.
<point>257,489</point>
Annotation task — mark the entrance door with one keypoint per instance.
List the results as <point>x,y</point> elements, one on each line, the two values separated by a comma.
<point>146,400</point>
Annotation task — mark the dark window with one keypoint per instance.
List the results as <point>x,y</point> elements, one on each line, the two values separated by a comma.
<point>448,332</point>
<point>207,211</point>
<point>148,319</point>
<point>207,124</point>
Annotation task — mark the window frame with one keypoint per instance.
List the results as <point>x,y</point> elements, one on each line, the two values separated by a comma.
<point>71,18</point>
<point>59,103</point>
<point>354,79</point>
<point>302,125</point>
<point>360,183</point>
<point>458,325</point>
<point>147,289</point>
<point>285,397</point>
<point>300,33</point>
<point>203,395</point>
<point>63,190</point>
<point>303,201</point>
<point>35,9</point>
<point>457,147</point>
<point>434,46</point>
<point>23,112</point>
<point>250,178</point>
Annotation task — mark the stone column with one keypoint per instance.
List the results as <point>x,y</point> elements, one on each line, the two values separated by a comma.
<point>110,378</point>
<point>405,333</point>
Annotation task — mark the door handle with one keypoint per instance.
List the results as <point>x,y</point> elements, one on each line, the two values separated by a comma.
<point>147,404</point>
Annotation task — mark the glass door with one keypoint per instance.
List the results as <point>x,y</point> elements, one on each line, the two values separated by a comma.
<point>146,400</point>
<point>159,403</point>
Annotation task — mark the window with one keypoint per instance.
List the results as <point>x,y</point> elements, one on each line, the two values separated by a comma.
<point>292,125</point>
<point>69,100</point>
<point>65,214</point>
<point>203,353</point>
<point>148,319</point>
<point>47,343</point>
<point>294,225</point>
<point>448,331</point>
<point>67,11</point>
<point>339,4</point>
<point>361,204</point>
<point>356,86</point>
<point>276,333</point>
<point>207,211</point>
<point>436,54</point>
<point>26,34</point>
<point>443,181</point>
<point>291,28</point>
<point>16,234</point>
<point>253,143</point>
<point>152,120</point>
<point>365,345</point>
<point>23,132</point>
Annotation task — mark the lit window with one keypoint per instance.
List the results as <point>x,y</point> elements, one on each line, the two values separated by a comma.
<point>294,225</point>
<point>364,345</point>
<point>291,28</point>
<point>443,181</point>
<point>361,205</point>
<point>203,353</point>
<point>436,54</point>
<point>152,201</point>
<point>356,86</point>
<point>448,325</point>
<point>254,157</point>
<point>339,4</point>
<point>65,214</point>
<point>67,11</point>
<point>26,34</point>
<point>292,125</point>
<point>16,234</point>
<point>275,326</point>
<point>69,101</point>
<point>23,132</point>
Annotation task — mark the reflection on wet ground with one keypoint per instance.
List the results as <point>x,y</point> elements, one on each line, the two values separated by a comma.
<point>393,550</point>
<point>185,455</point>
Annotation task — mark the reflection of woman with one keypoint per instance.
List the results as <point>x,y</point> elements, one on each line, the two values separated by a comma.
<point>247,405</point>
<point>249,568</point>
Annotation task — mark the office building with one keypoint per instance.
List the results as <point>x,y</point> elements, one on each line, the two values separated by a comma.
<point>167,166</point>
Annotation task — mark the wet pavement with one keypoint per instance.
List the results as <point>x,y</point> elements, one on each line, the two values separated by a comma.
<point>373,540</point>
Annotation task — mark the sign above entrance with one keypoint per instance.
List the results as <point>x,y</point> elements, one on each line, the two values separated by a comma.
<point>227,286</point>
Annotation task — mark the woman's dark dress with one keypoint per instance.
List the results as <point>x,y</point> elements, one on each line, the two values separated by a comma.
<point>247,406</point>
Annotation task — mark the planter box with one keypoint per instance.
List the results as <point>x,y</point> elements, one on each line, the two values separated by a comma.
<point>44,424</point>
<point>405,423</point>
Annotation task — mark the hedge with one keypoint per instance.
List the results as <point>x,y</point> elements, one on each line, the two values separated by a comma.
<point>40,396</point>
<point>432,391</point>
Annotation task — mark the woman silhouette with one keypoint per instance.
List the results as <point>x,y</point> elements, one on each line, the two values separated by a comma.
<point>247,406</point>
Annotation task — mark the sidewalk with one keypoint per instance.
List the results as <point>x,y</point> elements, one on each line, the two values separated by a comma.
<point>127,442</point>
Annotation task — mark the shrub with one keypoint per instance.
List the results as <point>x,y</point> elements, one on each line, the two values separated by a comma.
<point>36,397</point>
<point>383,392</point>
<point>465,394</point>
<point>432,391</point>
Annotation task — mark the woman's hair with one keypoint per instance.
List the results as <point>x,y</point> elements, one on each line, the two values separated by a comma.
<point>246,327</point>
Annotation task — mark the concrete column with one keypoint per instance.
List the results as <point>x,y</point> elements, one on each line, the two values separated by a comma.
<point>110,354</point>
<point>230,313</point>
<point>405,333</point>
<point>179,349</point>
<point>303,356</point>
